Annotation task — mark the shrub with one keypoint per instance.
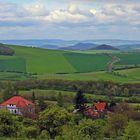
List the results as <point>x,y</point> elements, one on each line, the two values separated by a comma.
<point>31,132</point>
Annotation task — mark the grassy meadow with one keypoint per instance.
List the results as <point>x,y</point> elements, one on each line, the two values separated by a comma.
<point>37,63</point>
<point>126,76</point>
<point>131,58</point>
<point>52,61</point>
<point>129,77</point>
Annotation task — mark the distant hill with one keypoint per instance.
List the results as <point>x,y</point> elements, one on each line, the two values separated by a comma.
<point>104,47</point>
<point>129,47</point>
<point>66,43</point>
<point>40,42</point>
<point>48,46</point>
<point>80,46</point>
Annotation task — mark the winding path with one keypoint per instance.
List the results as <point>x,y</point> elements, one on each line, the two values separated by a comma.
<point>114,59</point>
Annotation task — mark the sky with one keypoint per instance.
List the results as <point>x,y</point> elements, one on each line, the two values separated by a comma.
<point>70,19</point>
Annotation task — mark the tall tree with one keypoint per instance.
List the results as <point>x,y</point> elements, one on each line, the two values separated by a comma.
<point>9,91</point>
<point>126,92</point>
<point>52,120</point>
<point>41,103</point>
<point>116,124</point>
<point>79,100</point>
<point>91,129</point>
<point>33,97</point>
<point>60,100</point>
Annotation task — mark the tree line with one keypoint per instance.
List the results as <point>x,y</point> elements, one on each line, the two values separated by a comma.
<point>95,87</point>
<point>4,50</point>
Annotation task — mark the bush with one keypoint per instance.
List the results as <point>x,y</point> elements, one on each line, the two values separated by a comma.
<point>44,135</point>
<point>91,129</point>
<point>132,131</point>
<point>116,124</point>
<point>9,125</point>
<point>52,119</point>
<point>31,132</point>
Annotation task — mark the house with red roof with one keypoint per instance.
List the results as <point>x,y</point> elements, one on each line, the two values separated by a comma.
<point>19,105</point>
<point>100,106</point>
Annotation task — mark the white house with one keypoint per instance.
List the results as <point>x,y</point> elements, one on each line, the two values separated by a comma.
<point>19,105</point>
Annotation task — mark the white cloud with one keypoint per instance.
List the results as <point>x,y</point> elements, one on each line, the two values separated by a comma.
<point>73,8</point>
<point>74,17</point>
<point>114,13</point>
<point>65,16</point>
<point>93,11</point>
<point>36,9</point>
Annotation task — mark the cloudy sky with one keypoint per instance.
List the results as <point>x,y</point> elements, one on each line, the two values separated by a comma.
<point>70,19</point>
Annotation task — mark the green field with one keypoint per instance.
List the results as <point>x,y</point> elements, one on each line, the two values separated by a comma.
<point>131,76</point>
<point>40,63</point>
<point>51,61</point>
<point>133,73</point>
<point>129,58</point>
<point>43,61</point>
<point>97,51</point>
<point>12,63</point>
<point>87,62</point>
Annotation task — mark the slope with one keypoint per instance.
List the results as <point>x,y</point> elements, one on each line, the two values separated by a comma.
<point>43,60</point>
<point>54,61</point>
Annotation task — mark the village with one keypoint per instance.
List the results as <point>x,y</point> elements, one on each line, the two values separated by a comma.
<point>36,117</point>
<point>18,105</point>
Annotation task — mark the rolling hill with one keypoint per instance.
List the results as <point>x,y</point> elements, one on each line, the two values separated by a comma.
<point>129,47</point>
<point>51,64</point>
<point>80,46</point>
<point>104,47</point>
<point>37,60</point>
<point>52,47</point>
<point>64,43</point>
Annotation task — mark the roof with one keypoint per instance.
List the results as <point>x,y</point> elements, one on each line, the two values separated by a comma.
<point>100,106</point>
<point>18,101</point>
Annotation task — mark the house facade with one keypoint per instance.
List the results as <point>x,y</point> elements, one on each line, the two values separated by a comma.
<point>19,106</point>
